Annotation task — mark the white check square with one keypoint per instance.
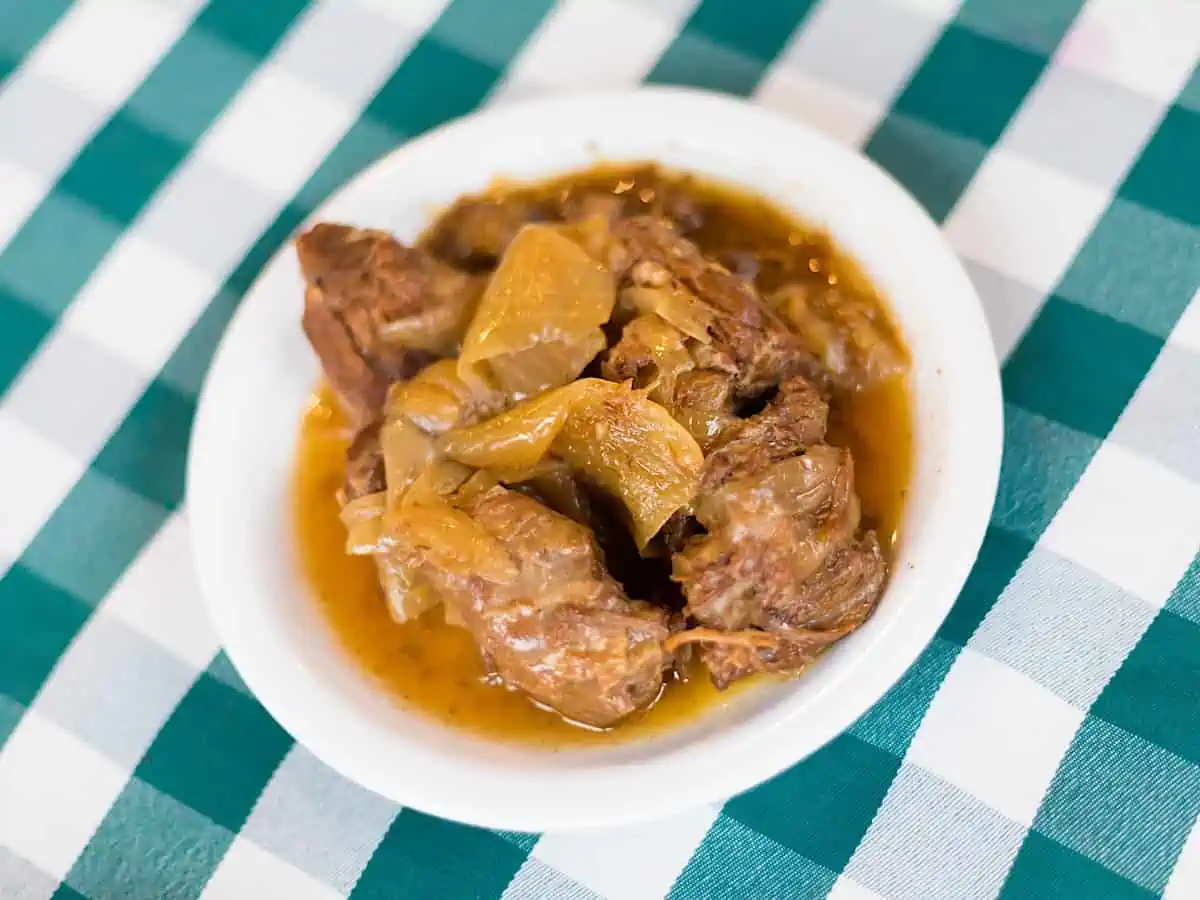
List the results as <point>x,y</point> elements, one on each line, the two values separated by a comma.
<point>1063,625</point>
<point>866,47</point>
<point>82,54</point>
<point>1023,219</point>
<point>932,841</point>
<point>277,131</point>
<point>996,734</point>
<point>1185,879</point>
<point>636,862</point>
<point>139,301</point>
<point>1130,520</point>
<point>318,821</point>
<point>1148,45</point>
<point>846,888</point>
<point>54,792</point>
<point>573,49</point>
<point>846,117</point>
<point>937,10</point>
<point>247,870</point>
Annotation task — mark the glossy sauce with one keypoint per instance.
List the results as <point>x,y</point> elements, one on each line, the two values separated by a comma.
<point>432,667</point>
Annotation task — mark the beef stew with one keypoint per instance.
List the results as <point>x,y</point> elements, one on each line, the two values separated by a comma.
<point>663,450</point>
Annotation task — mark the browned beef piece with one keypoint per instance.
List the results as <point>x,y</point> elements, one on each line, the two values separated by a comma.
<point>780,574</point>
<point>793,419</point>
<point>748,339</point>
<point>564,631</point>
<point>371,270</point>
<point>846,329</point>
<point>846,590</point>
<point>360,387</point>
<point>364,464</point>
<point>359,281</point>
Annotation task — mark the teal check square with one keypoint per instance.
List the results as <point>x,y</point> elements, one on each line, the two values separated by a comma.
<point>253,28</point>
<point>1123,802</point>
<point>1185,599</point>
<point>215,753</point>
<point>37,622</point>
<point>93,536</point>
<point>1046,869</point>
<point>24,25</point>
<point>1155,693</point>
<point>148,452</point>
<point>10,715</point>
<point>1137,266</point>
<point>1077,367</point>
<point>822,806</point>
<point>1164,176</point>
<point>970,85</point>
<point>124,165</point>
<point>421,856</point>
<point>1036,25</point>
<point>149,845</point>
<point>33,266</point>
<point>933,164</point>
<point>1042,462</point>
<point>726,45</point>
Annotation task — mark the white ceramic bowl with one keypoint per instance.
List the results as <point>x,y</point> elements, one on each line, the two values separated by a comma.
<point>245,434</point>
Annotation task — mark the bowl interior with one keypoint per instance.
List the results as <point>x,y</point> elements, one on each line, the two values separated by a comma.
<point>243,451</point>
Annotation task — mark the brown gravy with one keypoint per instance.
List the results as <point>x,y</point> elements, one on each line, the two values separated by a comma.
<point>432,667</point>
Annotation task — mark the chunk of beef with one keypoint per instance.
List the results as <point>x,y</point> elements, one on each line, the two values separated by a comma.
<point>768,532</point>
<point>796,417</point>
<point>361,285</point>
<point>846,591</point>
<point>748,339</point>
<point>563,631</point>
<point>369,270</point>
<point>780,566</point>
<point>846,330</point>
<point>359,385</point>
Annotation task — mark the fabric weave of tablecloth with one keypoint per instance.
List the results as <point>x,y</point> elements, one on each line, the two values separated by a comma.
<point>155,153</point>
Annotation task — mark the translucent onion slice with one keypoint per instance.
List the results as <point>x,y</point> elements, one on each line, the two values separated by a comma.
<point>617,437</point>
<point>676,305</point>
<point>545,289</point>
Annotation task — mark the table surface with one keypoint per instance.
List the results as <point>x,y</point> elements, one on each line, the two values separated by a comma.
<point>155,153</point>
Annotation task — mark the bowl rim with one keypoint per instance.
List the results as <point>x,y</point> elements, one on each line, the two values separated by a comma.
<point>593,788</point>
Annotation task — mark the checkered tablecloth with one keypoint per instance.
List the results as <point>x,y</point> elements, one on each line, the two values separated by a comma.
<point>155,153</point>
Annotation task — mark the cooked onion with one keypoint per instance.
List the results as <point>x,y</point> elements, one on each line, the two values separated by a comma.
<point>676,305</point>
<point>616,437</point>
<point>546,289</point>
